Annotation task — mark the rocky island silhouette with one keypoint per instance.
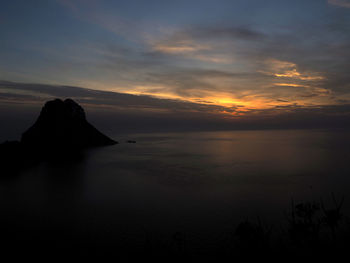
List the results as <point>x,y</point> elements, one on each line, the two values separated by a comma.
<point>61,129</point>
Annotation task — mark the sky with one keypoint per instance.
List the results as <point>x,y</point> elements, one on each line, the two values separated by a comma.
<point>227,60</point>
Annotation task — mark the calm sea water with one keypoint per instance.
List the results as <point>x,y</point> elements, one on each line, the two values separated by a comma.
<point>201,184</point>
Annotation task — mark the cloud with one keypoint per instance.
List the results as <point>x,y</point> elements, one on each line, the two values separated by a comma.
<point>119,101</point>
<point>179,47</point>
<point>289,85</point>
<point>119,111</point>
<point>256,62</point>
<point>203,43</point>
<point>285,69</point>
<point>253,88</point>
<point>342,3</point>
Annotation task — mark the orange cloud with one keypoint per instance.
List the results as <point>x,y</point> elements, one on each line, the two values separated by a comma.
<point>295,74</point>
<point>342,3</point>
<point>289,85</point>
<point>285,69</point>
<point>189,49</point>
<point>179,47</point>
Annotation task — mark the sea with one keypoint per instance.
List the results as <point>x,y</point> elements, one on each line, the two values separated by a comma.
<point>197,185</point>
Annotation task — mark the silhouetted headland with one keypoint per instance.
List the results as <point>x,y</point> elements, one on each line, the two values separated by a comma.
<point>60,130</point>
<point>63,124</point>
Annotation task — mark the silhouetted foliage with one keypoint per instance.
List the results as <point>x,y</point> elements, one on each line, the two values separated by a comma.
<point>332,216</point>
<point>304,236</point>
<point>253,236</point>
<point>304,226</point>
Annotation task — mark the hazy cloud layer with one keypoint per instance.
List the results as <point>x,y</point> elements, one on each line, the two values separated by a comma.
<point>117,113</point>
<point>38,93</point>
<point>124,105</point>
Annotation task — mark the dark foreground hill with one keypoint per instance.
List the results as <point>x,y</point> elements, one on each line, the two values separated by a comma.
<point>60,130</point>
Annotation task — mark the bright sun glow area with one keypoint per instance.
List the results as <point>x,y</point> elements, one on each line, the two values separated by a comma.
<point>219,100</point>
<point>285,85</point>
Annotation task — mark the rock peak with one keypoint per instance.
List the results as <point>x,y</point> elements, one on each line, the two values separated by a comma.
<point>63,124</point>
<point>59,110</point>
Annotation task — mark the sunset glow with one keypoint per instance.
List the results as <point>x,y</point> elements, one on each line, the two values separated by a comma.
<point>213,60</point>
<point>175,130</point>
